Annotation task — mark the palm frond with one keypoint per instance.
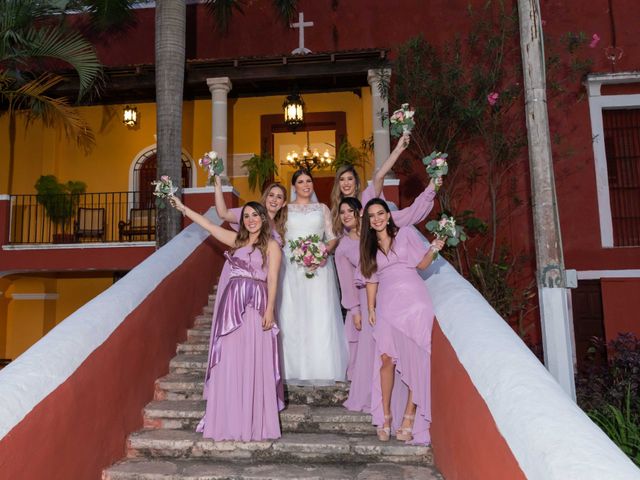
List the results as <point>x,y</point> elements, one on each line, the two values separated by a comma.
<point>67,46</point>
<point>286,9</point>
<point>31,99</point>
<point>222,11</point>
<point>105,15</point>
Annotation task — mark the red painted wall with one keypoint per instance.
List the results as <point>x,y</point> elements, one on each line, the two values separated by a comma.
<point>466,442</point>
<point>621,306</point>
<point>82,426</point>
<point>356,24</point>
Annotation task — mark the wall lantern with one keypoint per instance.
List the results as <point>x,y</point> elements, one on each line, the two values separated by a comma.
<point>293,107</point>
<point>130,116</point>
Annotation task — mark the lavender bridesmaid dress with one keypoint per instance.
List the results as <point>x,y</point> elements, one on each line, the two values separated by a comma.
<point>223,280</point>
<point>354,299</point>
<point>404,320</point>
<point>241,385</point>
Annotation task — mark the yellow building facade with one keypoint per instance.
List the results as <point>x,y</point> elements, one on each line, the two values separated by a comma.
<point>31,303</point>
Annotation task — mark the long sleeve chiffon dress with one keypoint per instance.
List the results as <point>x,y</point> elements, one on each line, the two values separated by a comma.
<point>354,299</point>
<point>404,321</point>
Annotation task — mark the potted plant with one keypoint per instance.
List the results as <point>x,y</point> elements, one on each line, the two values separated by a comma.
<point>60,201</point>
<point>261,169</point>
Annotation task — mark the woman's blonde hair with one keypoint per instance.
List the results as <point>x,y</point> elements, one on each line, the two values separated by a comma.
<point>280,219</point>
<point>265,231</point>
<point>337,196</point>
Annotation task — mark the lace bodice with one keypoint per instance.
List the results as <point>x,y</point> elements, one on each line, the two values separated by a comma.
<point>309,219</point>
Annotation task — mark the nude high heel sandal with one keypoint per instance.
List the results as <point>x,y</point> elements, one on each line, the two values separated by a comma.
<point>384,433</point>
<point>405,433</point>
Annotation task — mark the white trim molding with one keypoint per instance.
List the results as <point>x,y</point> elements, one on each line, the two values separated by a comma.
<point>597,103</point>
<point>5,197</point>
<point>76,246</point>
<point>210,189</point>
<point>35,296</point>
<point>598,274</point>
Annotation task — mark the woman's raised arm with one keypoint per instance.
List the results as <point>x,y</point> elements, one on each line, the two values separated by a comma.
<point>221,207</point>
<point>378,176</point>
<point>222,234</point>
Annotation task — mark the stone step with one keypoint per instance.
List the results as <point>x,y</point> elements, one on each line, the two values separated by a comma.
<point>171,469</point>
<point>188,364</point>
<point>207,309</point>
<point>185,414</point>
<point>290,448</point>
<point>201,333</point>
<point>186,381</point>
<point>202,321</point>
<point>180,386</point>
<point>193,348</point>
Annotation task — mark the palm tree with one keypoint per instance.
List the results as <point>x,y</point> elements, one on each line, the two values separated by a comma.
<point>30,40</point>
<point>170,62</point>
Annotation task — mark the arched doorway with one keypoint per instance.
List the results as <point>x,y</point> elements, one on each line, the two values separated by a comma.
<point>145,171</point>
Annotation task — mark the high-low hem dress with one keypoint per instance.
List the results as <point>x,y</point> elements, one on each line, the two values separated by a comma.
<point>354,300</point>
<point>404,321</point>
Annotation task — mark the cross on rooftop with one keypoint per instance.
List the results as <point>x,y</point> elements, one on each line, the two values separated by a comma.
<point>300,24</point>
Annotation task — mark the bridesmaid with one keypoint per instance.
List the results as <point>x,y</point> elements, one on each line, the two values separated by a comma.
<point>274,200</point>
<point>242,380</point>
<point>400,310</point>
<point>358,331</point>
<point>347,184</point>
<point>360,341</point>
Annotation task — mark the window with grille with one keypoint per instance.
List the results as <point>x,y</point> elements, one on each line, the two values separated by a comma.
<point>145,171</point>
<point>622,147</point>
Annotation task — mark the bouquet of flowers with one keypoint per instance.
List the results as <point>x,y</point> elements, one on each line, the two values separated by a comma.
<point>436,163</point>
<point>308,252</point>
<point>402,121</point>
<point>446,228</point>
<point>212,164</point>
<point>163,189</point>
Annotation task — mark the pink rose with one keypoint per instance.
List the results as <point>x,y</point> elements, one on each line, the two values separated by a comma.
<point>443,222</point>
<point>594,40</point>
<point>307,261</point>
<point>440,162</point>
<point>492,98</point>
<point>164,178</point>
<point>204,161</point>
<point>400,116</point>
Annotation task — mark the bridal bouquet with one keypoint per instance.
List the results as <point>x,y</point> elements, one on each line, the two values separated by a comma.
<point>212,164</point>
<point>308,252</point>
<point>437,166</point>
<point>446,228</point>
<point>164,189</point>
<point>402,121</point>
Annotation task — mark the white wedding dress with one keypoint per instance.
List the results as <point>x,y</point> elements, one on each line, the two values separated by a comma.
<point>311,326</point>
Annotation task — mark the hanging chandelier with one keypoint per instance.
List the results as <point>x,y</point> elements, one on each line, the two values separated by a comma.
<point>293,107</point>
<point>308,160</point>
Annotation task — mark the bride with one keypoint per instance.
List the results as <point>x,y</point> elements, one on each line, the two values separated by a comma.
<point>313,343</point>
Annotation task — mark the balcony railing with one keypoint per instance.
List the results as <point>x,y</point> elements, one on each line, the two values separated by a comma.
<point>87,217</point>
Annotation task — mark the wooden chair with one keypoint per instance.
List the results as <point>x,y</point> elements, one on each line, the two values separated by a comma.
<point>142,223</point>
<point>90,224</point>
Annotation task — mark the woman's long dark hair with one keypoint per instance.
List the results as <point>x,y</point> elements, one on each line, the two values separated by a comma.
<point>353,203</point>
<point>369,239</point>
<point>297,173</point>
<point>265,231</point>
<point>337,196</point>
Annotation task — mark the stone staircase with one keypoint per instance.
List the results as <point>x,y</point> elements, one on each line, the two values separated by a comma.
<point>320,439</point>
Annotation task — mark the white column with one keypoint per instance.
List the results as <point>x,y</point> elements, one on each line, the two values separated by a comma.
<point>379,111</point>
<point>219,88</point>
